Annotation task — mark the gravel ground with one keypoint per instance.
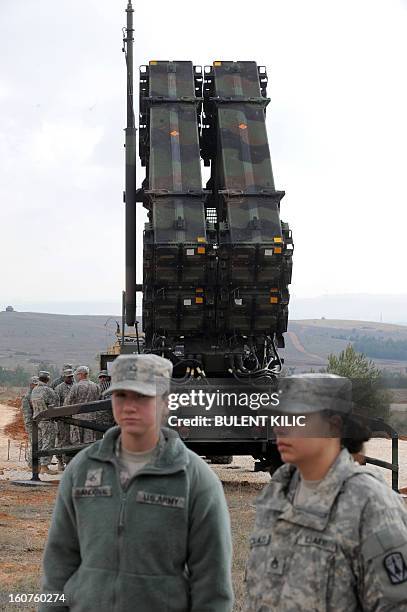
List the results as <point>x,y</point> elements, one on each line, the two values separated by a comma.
<point>242,467</point>
<point>241,470</point>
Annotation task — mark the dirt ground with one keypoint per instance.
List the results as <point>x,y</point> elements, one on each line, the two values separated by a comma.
<point>25,511</point>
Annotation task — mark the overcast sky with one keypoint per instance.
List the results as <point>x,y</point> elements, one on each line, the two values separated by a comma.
<point>337,129</point>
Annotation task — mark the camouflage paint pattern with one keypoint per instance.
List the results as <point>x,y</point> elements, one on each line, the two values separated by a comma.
<point>252,248</point>
<point>242,131</point>
<point>330,554</point>
<point>245,248</point>
<point>175,248</point>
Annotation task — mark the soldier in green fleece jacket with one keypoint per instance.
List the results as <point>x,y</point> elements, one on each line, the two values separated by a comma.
<point>140,522</point>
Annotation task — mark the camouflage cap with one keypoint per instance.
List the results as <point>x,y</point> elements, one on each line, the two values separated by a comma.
<point>34,380</point>
<point>308,393</point>
<point>147,374</point>
<point>103,373</point>
<point>67,372</point>
<point>82,370</point>
<point>67,366</point>
<point>44,374</point>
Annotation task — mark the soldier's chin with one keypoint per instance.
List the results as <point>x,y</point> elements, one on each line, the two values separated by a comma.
<point>132,426</point>
<point>287,455</point>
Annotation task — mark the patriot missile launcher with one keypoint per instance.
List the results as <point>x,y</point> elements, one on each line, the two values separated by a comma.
<point>217,258</point>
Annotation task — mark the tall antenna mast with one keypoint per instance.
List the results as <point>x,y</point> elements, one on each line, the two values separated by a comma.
<point>130,193</point>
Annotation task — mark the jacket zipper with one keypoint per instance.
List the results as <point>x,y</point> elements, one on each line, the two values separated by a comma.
<point>120,525</point>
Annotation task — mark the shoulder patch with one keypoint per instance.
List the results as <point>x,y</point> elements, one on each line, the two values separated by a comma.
<point>396,568</point>
<point>94,477</point>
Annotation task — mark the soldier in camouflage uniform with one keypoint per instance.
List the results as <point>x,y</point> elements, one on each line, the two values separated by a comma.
<point>42,398</point>
<point>63,429</point>
<point>83,391</point>
<point>104,384</point>
<point>60,379</point>
<point>28,415</point>
<point>329,534</point>
<point>104,380</point>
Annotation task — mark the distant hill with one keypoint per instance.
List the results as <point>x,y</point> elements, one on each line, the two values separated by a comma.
<point>310,341</point>
<point>27,339</point>
<point>351,306</point>
<point>356,306</point>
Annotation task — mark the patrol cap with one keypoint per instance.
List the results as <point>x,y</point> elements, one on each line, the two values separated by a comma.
<point>82,370</point>
<point>103,373</point>
<point>67,366</point>
<point>308,393</point>
<point>44,374</point>
<point>67,372</point>
<point>147,374</point>
<point>34,380</point>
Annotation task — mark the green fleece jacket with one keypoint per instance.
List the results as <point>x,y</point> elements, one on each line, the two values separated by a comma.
<point>160,544</point>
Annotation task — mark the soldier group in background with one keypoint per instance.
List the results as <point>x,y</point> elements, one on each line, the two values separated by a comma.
<point>70,388</point>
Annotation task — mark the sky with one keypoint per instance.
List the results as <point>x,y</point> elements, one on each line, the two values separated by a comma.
<point>336,123</point>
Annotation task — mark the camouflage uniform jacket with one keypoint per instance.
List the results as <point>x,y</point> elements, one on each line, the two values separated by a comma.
<point>56,382</point>
<point>42,398</point>
<point>62,391</point>
<point>159,543</point>
<point>103,386</point>
<point>27,409</point>
<point>345,551</point>
<point>82,392</point>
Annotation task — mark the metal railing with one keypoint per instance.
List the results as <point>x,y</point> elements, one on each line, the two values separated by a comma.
<point>64,414</point>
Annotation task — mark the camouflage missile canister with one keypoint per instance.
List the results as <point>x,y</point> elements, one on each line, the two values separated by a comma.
<point>175,244</point>
<point>217,262</point>
<point>255,248</point>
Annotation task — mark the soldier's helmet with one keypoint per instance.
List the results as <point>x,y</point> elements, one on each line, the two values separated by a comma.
<point>315,392</point>
<point>147,374</point>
